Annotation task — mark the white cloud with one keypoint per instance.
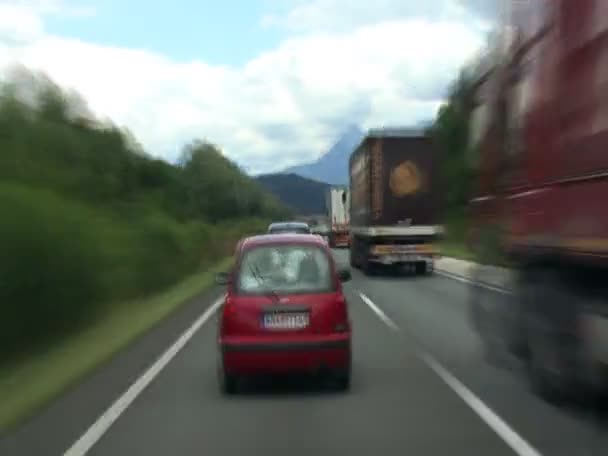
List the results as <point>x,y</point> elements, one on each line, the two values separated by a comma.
<point>18,24</point>
<point>47,7</point>
<point>315,15</point>
<point>282,107</point>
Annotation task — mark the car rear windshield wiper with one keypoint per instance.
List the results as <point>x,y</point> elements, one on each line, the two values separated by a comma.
<point>255,272</point>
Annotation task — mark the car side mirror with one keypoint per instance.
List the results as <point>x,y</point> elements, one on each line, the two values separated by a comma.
<point>344,275</point>
<point>222,278</point>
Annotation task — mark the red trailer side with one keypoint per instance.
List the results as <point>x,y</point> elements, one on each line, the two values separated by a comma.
<point>543,174</point>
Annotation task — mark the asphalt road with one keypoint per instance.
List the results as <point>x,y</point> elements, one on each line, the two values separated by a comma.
<point>421,387</point>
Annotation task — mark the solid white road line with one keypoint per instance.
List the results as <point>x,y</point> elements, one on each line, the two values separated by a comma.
<point>449,275</point>
<point>390,323</point>
<point>496,423</point>
<point>103,423</point>
<point>500,427</point>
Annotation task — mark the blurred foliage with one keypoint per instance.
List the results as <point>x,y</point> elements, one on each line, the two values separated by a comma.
<point>46,142</point>
<point>89,218</point>
<point>459,169</point>
<point>458,173</point>
<point>451,131</point>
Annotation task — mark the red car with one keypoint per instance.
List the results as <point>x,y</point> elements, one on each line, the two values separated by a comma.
<point>284,311</point>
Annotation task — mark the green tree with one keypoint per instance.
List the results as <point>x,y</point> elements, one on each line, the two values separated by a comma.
<point>451,131</point>
<point>90,217</point>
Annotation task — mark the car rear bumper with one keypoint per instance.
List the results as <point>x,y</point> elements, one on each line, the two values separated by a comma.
<point>250,356</point>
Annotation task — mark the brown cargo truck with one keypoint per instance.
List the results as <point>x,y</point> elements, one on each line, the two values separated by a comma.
<point>394,209</point>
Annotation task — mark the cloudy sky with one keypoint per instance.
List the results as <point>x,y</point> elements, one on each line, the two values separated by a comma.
<point>271,81</point>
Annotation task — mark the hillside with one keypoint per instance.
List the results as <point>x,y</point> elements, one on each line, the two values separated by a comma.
<point>332,167</point>
<point>90,218</point>
<point>304,196</point>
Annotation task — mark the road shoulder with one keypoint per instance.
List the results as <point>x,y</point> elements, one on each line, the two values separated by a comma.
<point>494,276</point>
<point>62,422</point>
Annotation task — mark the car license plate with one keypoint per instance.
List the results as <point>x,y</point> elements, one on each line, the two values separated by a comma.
<point>284,320</point>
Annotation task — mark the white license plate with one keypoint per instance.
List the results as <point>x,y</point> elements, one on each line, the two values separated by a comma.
<point>285,320</point>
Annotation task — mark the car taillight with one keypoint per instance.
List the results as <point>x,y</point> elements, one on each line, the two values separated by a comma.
<point>342,323</point>
<point>229,307</point>
<point>228,312</point>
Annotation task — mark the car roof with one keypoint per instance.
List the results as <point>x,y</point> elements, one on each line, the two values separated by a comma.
<point>288,225</point>
<point>283,239</point>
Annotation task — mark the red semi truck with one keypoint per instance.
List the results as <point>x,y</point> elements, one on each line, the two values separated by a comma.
<point>540,128</point>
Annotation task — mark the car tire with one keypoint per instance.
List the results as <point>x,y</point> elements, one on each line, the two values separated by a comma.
<point>228,383</point>
<point>343,380</point>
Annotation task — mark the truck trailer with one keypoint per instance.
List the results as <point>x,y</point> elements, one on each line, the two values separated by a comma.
<point>540,129</point>
<point>338,210</point>
<point>394,201</point>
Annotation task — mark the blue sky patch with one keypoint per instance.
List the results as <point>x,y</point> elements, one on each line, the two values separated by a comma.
<point>229,32</point>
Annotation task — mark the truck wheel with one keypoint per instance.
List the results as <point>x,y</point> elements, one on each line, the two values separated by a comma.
<point>554,353</point>
<point>515,317</point>
<point>484,317</point>
<point>369,268</point>
<point>478,313</point>
<point>474,304</point>
<point>421,268</point>
<point>353,258</point>
<point>543,365</point>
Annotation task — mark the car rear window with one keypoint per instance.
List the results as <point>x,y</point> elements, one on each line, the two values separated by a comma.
<point>285,269</point>
<point>289,230</point>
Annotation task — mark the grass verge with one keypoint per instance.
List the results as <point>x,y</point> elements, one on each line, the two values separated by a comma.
<point>27,386</point>
<point>457,250</point>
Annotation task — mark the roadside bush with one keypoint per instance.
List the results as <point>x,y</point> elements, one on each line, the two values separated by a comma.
<point>166,251</point>
<point>49,268</point>
<point>62,262</point>
<point>89,218</point>
<point>456,223</point>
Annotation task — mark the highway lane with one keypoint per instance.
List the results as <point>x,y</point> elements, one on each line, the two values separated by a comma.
<point>434,313</point>
<point>397,403</point>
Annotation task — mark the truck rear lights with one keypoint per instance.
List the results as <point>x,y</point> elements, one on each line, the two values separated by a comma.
<point>380,249</point>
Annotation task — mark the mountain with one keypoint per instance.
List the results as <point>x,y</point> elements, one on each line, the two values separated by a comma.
<point>332,167</point>
<point>304,196</point>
